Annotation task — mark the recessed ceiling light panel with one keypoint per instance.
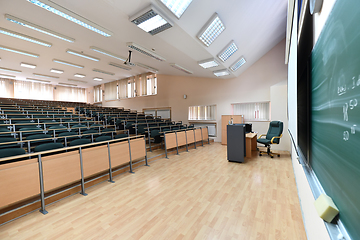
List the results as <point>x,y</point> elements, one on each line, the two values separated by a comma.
<point>37,80</point>
<point>82,55</point>
<point>19,51</point>
<point>221,73</point>
<point>79,75</point>
<point>24,37</point>
<point>151,20</point>
<point>69,15</point>
<point>38,28</point>
<point>99,50</point>
<point>98,79</point>
<point>56,71</point>
<point>102,71</point>
<point>145,51</point>
<point>7,76</point>
<point>27,65</point>
<point>177,7</point>
<point>229,50</point>
<point>10,70</point>
<point>211,30</point>
<point>119,66</point>
<point>178,67</point>
<point>45,76</point>
<point>67,84</point>
<point>67,63</point>
<point>147,67</point>
<point>73,80</point>
<point>209,63</point>
<point>241,61</point>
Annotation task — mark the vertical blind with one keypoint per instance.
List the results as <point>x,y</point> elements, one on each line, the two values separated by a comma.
<point>202,112</point>
<point>97,93</point>
<point>70,94</point>
<point>6,88</point>
<point>259,111</point>
<point>33,90</point>
<point>111,90</point>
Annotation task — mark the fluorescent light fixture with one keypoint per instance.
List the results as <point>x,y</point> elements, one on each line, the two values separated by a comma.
<point>229,50</point>
<point>241,61</point>
<point>211,30</point>
<point>147,67</point>
<point>36,80</point>
<point>220,73</point>
<point>79,75</point>
<point>38,28</point>
<point>97,79</point>
<point>56,71</point>
<point>73,80</point>
<point>209,63</point>
<point>67,84</point>
<point>104,72</point>
<point>7,76</point>
<point>24,37</point>
<point>27,65</point>
<point>150,20</point>
<point>10,70</point>
<point>82,55</point>
<point>69,15</point>
<point>45,76</point>
<point>119,66</point>
<point>174,65</point>
<point>145,51</point>
<point>67,63</point>
<point>177,7</point>
<point>19,51</point>
<point>108,53</point>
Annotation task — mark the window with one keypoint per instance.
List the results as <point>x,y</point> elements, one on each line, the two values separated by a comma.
<point>111,91</point>
<point>98,93</point>
<point>202,112</point>
<point>164,113</point>
<point>259,111</point>
<point>33,90</point>
<point>139,85</point>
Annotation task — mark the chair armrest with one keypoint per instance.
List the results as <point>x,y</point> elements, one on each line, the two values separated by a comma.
<point>262,135</point>
<point>272,140</point>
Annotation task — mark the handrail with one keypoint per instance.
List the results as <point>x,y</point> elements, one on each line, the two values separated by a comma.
<point>67,148</point>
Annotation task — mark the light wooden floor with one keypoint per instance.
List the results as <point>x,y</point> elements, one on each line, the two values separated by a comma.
<point>195,195</point>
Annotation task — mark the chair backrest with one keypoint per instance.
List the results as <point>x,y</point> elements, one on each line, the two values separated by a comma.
<point>102,138</point>
<point>11,152</point>
<point>275,130</point>
<point>122,135</point>
<point>79,142</point>
<point>48,146</point>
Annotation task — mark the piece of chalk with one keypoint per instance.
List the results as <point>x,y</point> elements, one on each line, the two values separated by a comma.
<point>326,208</point>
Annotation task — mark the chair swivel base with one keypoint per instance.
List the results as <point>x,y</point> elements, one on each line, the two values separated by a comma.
<point>268,152</point>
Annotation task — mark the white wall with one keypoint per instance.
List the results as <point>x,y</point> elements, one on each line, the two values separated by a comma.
<point>251,86</point>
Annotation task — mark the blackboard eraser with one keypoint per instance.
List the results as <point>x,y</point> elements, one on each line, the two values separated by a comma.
<point>326,208</point>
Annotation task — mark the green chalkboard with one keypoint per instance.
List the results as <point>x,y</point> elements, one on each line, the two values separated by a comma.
<point>335,111</point>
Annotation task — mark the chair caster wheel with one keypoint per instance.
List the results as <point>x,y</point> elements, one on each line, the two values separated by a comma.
<point>272,156</point>
<point>278,155</point>
<point>260,154</point>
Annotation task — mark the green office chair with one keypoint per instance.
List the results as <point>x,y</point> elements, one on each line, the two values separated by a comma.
<point>272,137</point>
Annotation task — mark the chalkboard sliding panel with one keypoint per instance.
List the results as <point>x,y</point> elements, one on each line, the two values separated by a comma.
<point>335,112</point>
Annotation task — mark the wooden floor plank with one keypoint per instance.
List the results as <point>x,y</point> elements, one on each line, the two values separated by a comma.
<point>194,195</point>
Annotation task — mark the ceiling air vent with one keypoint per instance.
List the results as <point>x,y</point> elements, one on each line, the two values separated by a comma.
<point>144,51</point>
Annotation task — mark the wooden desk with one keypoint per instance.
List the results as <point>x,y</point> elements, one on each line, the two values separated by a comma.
<point>250,143</point>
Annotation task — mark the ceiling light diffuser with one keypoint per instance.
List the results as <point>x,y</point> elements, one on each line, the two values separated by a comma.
<point>220,73</point>
<point>10,70</point>
<point>56,71</point>
<point>45,76</point>
<point>24,37</point>
<point>99,50</point>
<point>178,67</point>
<point>147,67</point>
<point>209,63</point>
<point>19,51</point>
<point>211,30</point>
<point>36,80</point>
<point>79,75</point>
<point>73,80</point>
<point>119,66</point>
<point>7,76</point>
<point>67,84</point>
<point>150,20</point>
<point>229,50</point>
<point>241,61</point>
<point>98,79</point>
<point>82,55</point>
<point>104,72</point>
<point>145,51</point>
<point>69,15</point>
<point>177,7</point>
<point>38,28</point>
<point>27,65</point>
<point>67,63</point>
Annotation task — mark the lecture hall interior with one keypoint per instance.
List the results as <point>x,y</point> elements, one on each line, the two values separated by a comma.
<point>114,114</point>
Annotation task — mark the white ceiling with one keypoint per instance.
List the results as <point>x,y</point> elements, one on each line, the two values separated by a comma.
<point>256,26</point>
